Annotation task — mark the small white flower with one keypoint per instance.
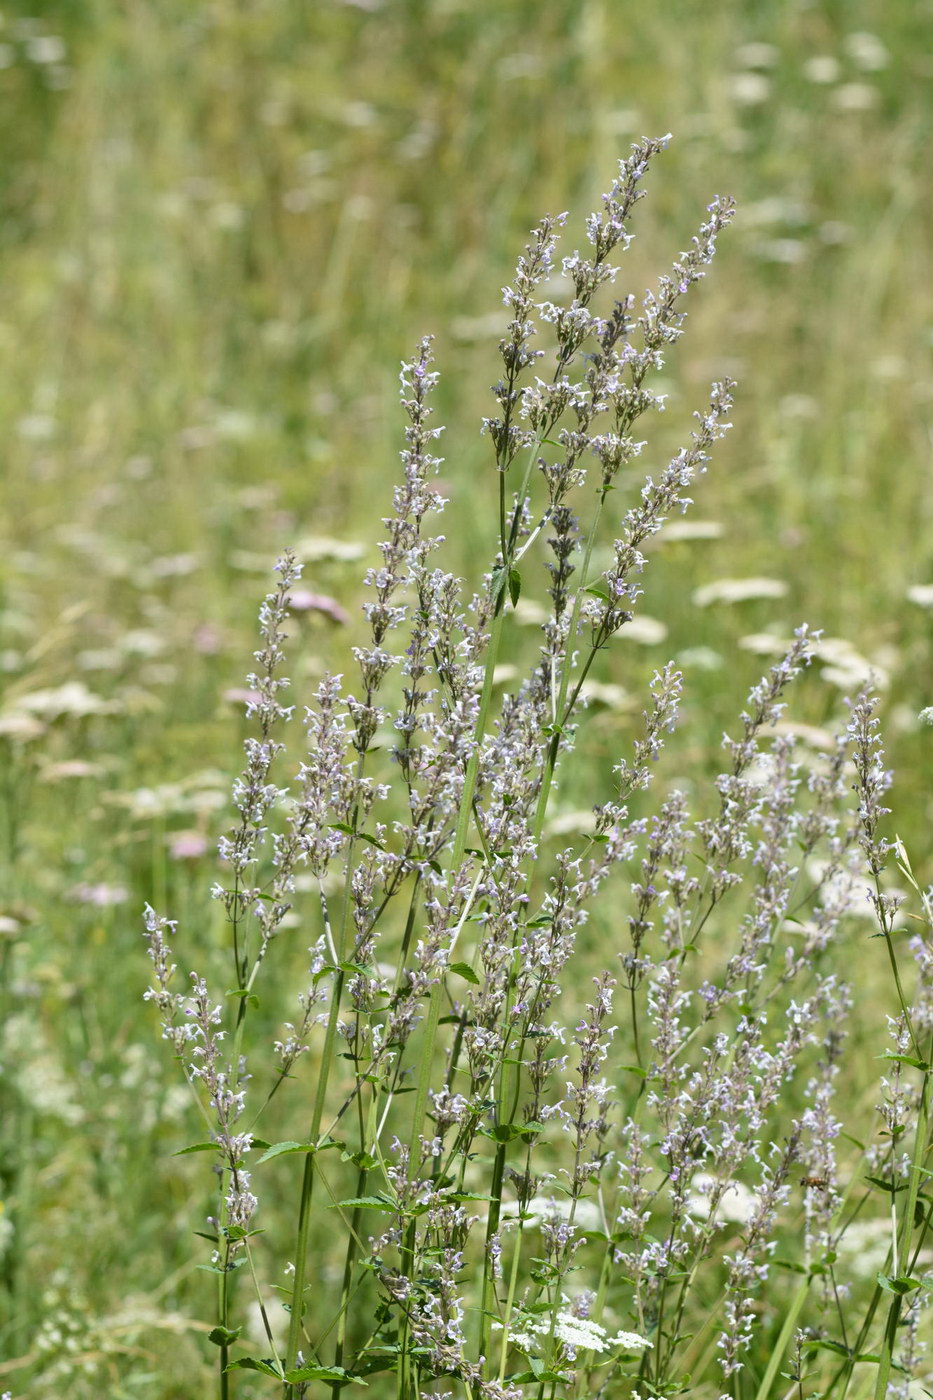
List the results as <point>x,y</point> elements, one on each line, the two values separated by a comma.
<point>748,89</point>
<point>757,55</point>
<point>738,590</point>
<point>855,97</point>
<point>574,1333</point>
<point>866,51</point>
<point>737,1204</point>
<point>821,68</point>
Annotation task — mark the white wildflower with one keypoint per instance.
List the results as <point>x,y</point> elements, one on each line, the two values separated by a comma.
<point>737,1204</point>
<point>738,590</point>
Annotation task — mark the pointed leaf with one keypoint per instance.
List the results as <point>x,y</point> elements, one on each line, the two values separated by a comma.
<point>223,1336</point>
<point>322,1373</point>
<point>252,1363</point>
<point>282,1149</point>
<point>465,971</point>
<point>368,1203</point>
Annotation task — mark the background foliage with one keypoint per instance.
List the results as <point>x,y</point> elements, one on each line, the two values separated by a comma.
<point>222,227</point>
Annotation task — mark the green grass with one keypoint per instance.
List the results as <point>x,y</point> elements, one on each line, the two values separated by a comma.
<point>222,227</point>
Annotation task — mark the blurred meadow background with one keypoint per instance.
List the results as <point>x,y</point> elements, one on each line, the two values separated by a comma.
<point>222,226</point>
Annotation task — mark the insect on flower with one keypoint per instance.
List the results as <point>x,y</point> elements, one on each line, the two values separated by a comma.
<point>814,1183</point>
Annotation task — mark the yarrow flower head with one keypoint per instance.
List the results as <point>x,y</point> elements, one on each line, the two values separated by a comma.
<point>572,1331</point>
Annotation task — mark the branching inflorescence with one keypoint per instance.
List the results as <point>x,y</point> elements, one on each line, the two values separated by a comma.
<point>532,1193</point>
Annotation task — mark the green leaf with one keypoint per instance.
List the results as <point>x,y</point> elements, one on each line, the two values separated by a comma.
<point>197,1147</point>
<point>365,1160</point>
<point>899,1285</point>
<point>505,1132</point>
<point>515,586</point>
<point>223,1336</point>
<point>904,1060</point>
<point>245,995</point>
<point>282,1149</point>
<point>368,1203</point>
<point>252,1363</point>
<point>322,1373</point>
<point>530,1130</point>
<point>465,971</point>
<point>883,1185</point>
<point>360,835</point>
<point>824,1345</point>
<point>635,1069</point>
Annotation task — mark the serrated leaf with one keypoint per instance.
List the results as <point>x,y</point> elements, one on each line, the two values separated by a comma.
<point>222,1336</point>
<point>505,1132</point>
<point>904,1060</point>
<point>822,1344</point>
<point>197,1147</point>
<point>365,1160</point>
<point>368,1203</point>
<point>515,586</point>
<point>322,1373</point>
<point>465,971</point>
<point>253,1363</point>
<point>282,1149</point>
<point>899,1286</point>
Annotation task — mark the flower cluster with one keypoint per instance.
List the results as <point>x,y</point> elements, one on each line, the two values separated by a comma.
<point>505,1138</point>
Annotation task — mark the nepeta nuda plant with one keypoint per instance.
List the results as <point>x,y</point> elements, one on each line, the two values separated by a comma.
<point>517,1170</point>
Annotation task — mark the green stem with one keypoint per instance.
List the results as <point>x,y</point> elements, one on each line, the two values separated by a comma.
<point>783,1341</point>
<point>887,1348</point>
<point>561,711</point>
<point>459,850</point>
<point>307,1180</point>
<point>495,1207</point>
<point>222,1310</point>
<point>510,1299</point>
